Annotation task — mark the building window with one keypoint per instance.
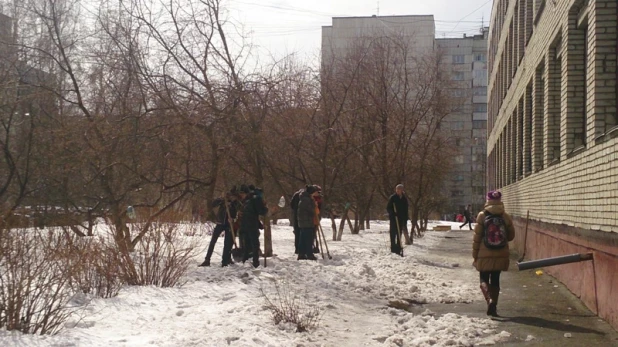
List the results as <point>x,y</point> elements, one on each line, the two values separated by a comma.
<point>457,125</point>
<point>459,59</point>
<point>480,91</point>
<point>555,101</point>
<point>539,116</point>
<point>479,107</point>
<point>458,178</point>
<point>479,124</point>
<point>459,159</point>
<point>480,57</point>
<point>458,76</point>
<point>458,93</point>
<point>456,193</point>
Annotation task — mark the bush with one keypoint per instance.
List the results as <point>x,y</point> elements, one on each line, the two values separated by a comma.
<point>35,285</point>
<point>96,267</point>
<point>161,258</point>
<point>286,307</point>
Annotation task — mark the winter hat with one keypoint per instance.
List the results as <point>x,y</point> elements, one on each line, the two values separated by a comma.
<point>244,189</point>
<point>310,189</point>
<point>494,195</point>
<point>399,186</point>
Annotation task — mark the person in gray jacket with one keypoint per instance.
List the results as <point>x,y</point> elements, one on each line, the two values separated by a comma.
<point>307,217</point>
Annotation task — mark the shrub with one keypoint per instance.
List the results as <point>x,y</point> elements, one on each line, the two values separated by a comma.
<point>96,266</point>
<point>35,285</point>
<point>286,307</point>
<point>161,258</point>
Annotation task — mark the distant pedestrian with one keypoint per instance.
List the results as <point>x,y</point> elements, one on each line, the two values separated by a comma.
<point>490,250</point>
<point>468,218</point>
<point>397,208</point>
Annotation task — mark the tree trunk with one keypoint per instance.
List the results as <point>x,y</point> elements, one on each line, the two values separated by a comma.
<point>347,217</point>
<point>355,230</point>
<point>334,226</point>
<point>367,224</point>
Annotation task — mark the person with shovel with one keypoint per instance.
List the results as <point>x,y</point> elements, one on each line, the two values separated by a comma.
<point>224,216</point>
<point>397,209</point>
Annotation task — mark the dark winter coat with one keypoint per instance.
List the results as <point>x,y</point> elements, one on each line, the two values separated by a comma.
<point>253,208</point>
<point>306,212</point>
<point>467,214</point>
<point>486,259</point>
<point>221,216</point>
<point>294,205</point>
<point>401,205</point>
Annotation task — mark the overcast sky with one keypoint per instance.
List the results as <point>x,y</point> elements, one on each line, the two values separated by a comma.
<point>281,27</point>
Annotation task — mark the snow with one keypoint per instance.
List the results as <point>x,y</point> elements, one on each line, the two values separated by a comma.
<point>225,306</point>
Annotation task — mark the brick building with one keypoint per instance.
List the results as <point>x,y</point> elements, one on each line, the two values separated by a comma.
<point>553,135</point>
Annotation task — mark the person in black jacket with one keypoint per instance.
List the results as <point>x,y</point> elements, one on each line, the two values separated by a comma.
<point>223,222</point>
<point>468,218</point>
<point>254,206</point>
<point>397,209</point>
<point>294,205</point>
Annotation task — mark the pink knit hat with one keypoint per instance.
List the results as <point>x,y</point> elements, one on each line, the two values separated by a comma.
<point>494,195</point>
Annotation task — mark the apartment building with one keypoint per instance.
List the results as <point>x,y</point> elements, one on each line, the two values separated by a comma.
<point>553,136</point>
<point>466,59</point>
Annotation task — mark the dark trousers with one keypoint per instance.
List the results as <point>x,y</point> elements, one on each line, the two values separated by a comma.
<point>492,278</point>
<point>395,239</point>
<point>227,243</point>
<point>251,245</point>
<point>467,221</point>
<point>305,246</point>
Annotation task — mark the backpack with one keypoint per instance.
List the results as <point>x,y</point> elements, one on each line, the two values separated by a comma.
<point>495,234</point>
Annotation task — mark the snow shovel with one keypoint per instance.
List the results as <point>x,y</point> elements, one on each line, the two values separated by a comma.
<point>325,244</point>
<point>319,238</point>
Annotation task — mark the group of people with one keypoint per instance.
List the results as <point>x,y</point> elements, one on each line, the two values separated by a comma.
<point>239,211</point>
<point>238,214</point>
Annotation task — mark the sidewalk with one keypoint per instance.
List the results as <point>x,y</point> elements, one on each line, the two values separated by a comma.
<point>532,307</point>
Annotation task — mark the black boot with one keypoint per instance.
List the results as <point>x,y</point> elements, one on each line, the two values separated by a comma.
<point>492,308</point>
<point>205,263</point>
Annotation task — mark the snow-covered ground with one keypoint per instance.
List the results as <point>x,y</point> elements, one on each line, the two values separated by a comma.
<point>225,306</point>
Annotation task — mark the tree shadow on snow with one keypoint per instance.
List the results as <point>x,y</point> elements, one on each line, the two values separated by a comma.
<point>550,324</point>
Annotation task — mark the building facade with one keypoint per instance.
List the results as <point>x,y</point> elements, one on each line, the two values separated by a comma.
<point>466,58</point>
<point>344,32</point>
<point>553,136</point>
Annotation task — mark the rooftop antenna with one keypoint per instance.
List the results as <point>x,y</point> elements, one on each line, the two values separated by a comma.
<point>378,8</point>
